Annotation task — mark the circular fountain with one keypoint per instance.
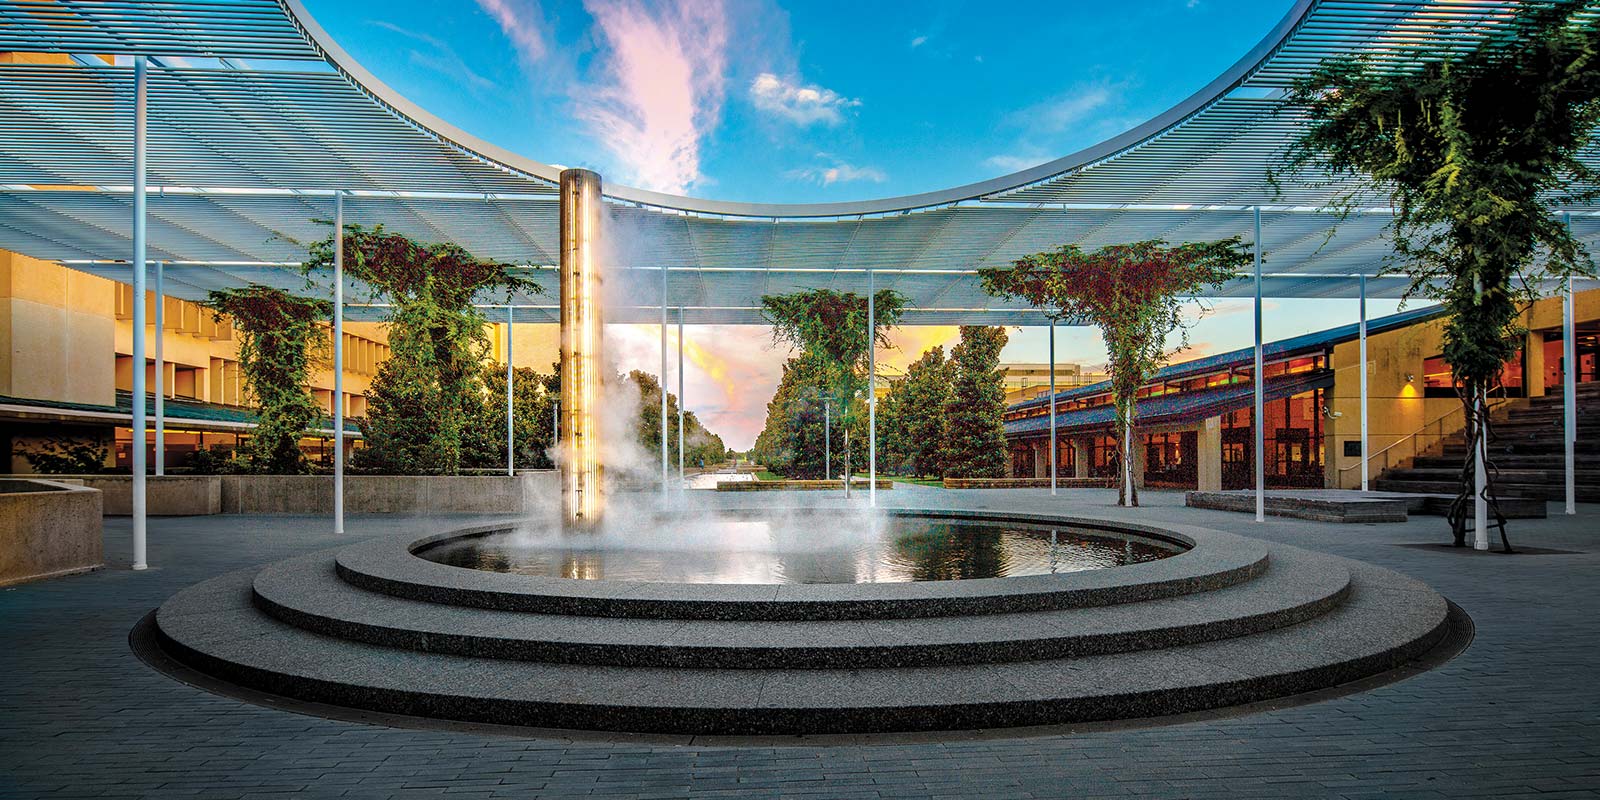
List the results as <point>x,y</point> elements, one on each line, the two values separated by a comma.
<point>901,629</point>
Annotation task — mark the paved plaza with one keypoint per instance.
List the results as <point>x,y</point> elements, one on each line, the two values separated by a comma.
<point>1512,716</point>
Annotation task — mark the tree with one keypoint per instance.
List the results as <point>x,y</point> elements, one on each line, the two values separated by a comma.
<point>924,409</point>
<point>699,444</point>
<point>279,336</point>
<point>431,387</point>
<point>1476,151</point>
<point>533,405</point>
<point>830,330</point>
<point>1136,294</point>
<point>975,446</point>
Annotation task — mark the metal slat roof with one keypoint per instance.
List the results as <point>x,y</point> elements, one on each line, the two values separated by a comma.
<point>257,117</point>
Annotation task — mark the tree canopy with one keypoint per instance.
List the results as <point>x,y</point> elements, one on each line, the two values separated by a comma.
<point>1135,293</point>
<point>279,338</point>
<point>1476,151</point>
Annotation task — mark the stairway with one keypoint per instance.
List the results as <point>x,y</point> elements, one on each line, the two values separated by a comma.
<point>1527,451</point>
<point>373,627</point>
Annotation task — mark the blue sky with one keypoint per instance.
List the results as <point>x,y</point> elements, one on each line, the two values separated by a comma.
<point>798,101</point>
<point>813,101</point>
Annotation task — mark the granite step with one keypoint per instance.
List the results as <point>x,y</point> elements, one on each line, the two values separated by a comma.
<point>1386,621</point>
<point>306,592</point>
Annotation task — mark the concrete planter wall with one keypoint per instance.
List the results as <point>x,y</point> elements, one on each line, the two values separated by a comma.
<point>165,496</point>
<point>389,494</point>
<point>47,528</point>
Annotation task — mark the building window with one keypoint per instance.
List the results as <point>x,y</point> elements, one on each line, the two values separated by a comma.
<point>1439,381</point>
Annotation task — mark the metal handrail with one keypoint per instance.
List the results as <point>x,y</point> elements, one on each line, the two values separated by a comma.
<point>1494,403</point>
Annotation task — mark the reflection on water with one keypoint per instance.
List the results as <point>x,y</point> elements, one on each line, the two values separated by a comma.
<point>819,549</point>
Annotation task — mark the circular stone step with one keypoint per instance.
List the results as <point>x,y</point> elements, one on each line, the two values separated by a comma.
<point>306,592</point>
<point>1385,620</point>
<point>387,565</point>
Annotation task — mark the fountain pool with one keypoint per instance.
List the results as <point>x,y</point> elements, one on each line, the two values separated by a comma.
<point>817,548</point>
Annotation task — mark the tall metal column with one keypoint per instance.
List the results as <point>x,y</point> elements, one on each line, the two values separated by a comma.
<point>1569,390</point>
<point>582,343</point>
<point>338,362</point>
<point>1569,396</point>
<point>137,425</point>
<point>1363,357</point>
<point>872,395</point>
<point>663,381</point>
<point>1259,420</point>
<point>681,485</point>
<point>511,388</point>
<point>1480,476</point>
<point>161,374</point>
<point>827,439</point>
<point>1053,448</point>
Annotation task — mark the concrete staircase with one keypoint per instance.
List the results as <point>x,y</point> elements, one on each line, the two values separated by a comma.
<point>1527,450</point>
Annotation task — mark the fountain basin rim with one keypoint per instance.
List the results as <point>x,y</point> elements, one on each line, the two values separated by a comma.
<point>1214,559</point>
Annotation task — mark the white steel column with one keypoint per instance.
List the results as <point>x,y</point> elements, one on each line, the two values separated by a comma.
<point>338,362</point>
<point>161,374</point>
<point>1365,466</point>
<point>872,396</point>
<point>681,485</point>
<point>1259,421</point>
<point>1569,395</point>
<point>1053,448</point>
<point>663,381</point>
<point>137,425</point>
<point>511,380</point>
<point>827,439</point>
<point>1480,475</point>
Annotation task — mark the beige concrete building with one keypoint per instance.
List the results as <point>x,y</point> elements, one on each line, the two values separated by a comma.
<point>66,365</point>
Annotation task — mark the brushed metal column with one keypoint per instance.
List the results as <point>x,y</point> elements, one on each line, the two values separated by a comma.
<point>582,364</point>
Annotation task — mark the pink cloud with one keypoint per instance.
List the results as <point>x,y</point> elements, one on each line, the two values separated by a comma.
<point>520,20</point>
<point>662,88</point>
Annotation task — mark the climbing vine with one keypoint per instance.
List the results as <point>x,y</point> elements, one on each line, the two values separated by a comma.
<point>829,328</point>
<point>280,336</point>
<point>431,387</point>
<point>1135,293</point>
<point>1477,152</point>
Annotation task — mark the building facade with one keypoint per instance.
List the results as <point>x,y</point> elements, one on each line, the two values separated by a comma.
<point>66,368</point>
<point>1194,428</point>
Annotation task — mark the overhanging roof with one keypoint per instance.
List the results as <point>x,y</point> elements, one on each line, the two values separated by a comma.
<point>257,117</point>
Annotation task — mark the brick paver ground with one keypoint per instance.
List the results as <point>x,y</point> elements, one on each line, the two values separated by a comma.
<point>1516,715</point>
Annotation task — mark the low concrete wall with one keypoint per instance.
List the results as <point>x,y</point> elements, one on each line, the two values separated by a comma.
<point>165,495</point>
<point>782,486</point>
<point>389,494</point>
<point>1027,483</point>
<point>47,528</point>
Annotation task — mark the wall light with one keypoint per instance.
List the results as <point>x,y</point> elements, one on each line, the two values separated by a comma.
<point>1410,377</point>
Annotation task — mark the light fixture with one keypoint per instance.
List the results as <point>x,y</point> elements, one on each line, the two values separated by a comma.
<point>1410,377</point>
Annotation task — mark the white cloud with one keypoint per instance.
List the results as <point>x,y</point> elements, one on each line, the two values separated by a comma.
<point>662,86</point>
<point>520,20</point>
<point>797,103</point>
<point>1071,109</point>
<point>919,41</point>
<point>439,57</point>
<point>1013,163</point>
<point>836,172</point>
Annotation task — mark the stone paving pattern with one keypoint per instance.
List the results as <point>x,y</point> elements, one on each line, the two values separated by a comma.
<point>1516,715</point>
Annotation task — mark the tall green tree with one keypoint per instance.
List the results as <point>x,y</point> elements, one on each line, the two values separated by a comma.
<point>699,444</point>
<point>829,329</point>
<point>1136,294</point>
<point>533,406</point>
<point>280,337</point>
<point>975,446</point>
<point>431,387</point>
<point>927,391</point>
<point>1477,151</point>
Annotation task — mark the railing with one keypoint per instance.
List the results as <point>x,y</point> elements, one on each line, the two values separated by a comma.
<point>1415,436</point>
